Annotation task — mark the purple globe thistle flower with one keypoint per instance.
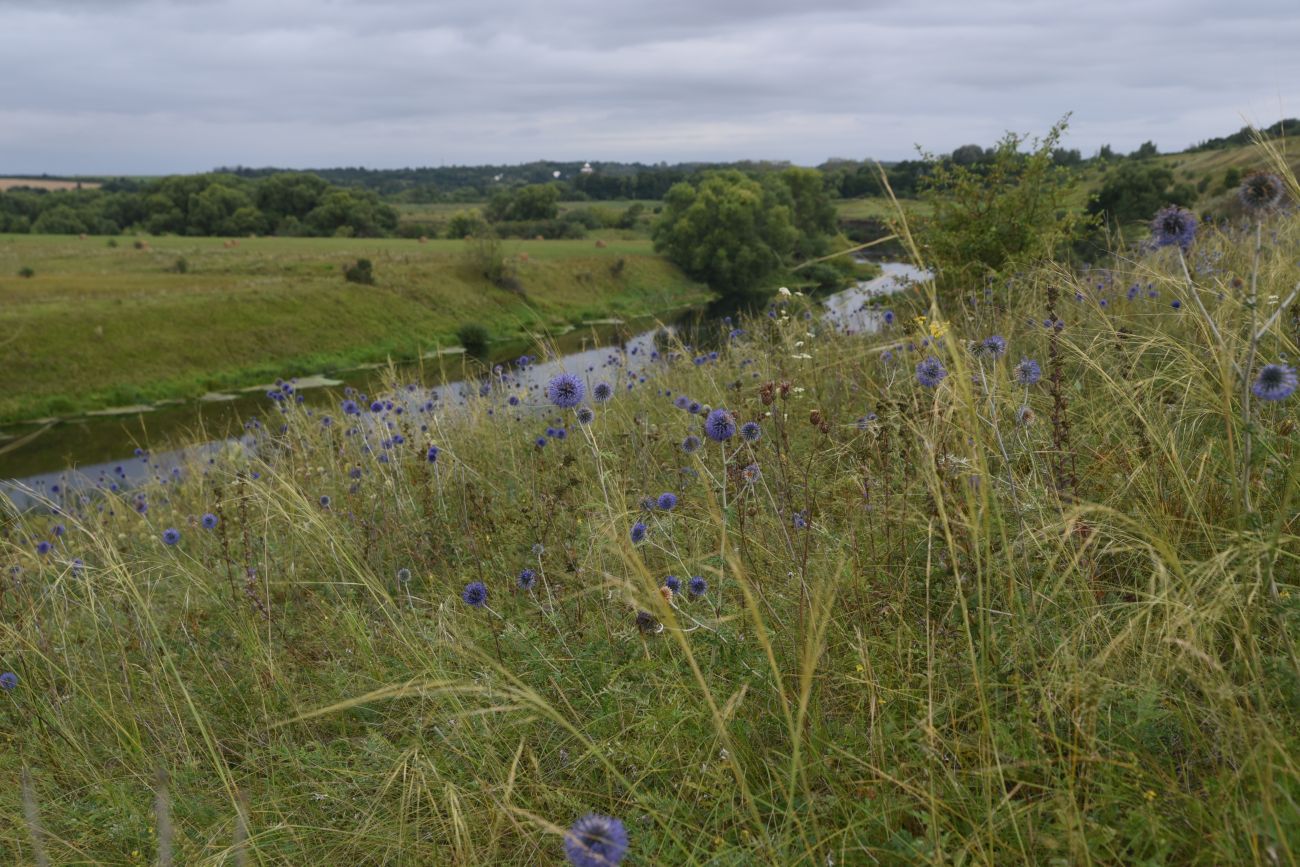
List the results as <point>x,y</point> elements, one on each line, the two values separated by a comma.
<point>585,415</point>
<point>602,391</point>
<point>751,474</point>
<point>8,681</point>
<point>527,579</point>
<point>697,587</point>
<point>475,594</point>
<point>691,444</point>
<point>682,401</point>
<point>43,548</point>
<point>673,583</point>
<point>889,317</point>
<point>595,840</point>
<point>377,406</point>
<point>800,520</point>
<point>645,621</point>
<point>1027,372</point>
<point>1176,304</point>
<point>930,371</point>
<point>695,407</point>
<point>1261,191</point>
<point>1275,382</point>
<point>513,400</point>
<point>720,425</point>
<point>750,432</point>
<point>432,454</point>
<point>638,533</point>
<point>59,530</point>
<point>325,501</point>
<point>171,536</point>
<point>403,575</point>
<point>667,501</point>
<point>566,390</point>
<point>993,346</point>
<point>1173,225</point>
<point>208,521</point>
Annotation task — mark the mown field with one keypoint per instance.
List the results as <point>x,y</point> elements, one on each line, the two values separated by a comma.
<point>99,326</point>
<point>1014,581</point>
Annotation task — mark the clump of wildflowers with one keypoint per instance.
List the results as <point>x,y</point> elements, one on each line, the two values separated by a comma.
<point>1173,226</point>
<point>1027,372</point>
<point>1275,382</point>
<point>930,371</point>
<point>720,425</point>
<point>596,841</point>
<point>1261,191</point>
<point>475,594</point>
<point>566,390</point>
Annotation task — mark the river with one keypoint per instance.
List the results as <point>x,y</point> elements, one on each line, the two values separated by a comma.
<point>44,459</point>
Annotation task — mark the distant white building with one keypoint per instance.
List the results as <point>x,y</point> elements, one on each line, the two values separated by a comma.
<point>587,169</point>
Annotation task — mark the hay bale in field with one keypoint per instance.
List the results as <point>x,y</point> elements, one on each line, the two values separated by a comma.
<point>82,236</point>
<point>523,257</point>
<point>601,243</point>
<point>424,239</point>
<point>539,238</point>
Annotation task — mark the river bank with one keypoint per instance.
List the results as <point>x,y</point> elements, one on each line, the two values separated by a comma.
<point>97,327</point>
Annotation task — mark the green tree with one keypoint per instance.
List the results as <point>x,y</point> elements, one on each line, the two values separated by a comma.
<point>811,209</point>
<point>1135,191</point>
<point>533,202</point>
<point>727,230</point>
<point>1000,215</point>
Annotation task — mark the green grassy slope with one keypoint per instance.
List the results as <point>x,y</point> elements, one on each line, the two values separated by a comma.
<point>98,326</point>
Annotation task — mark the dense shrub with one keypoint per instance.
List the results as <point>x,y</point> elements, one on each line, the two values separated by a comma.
<point>360,271</point>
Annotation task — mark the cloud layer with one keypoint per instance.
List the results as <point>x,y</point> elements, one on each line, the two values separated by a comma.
<point>128,86</point>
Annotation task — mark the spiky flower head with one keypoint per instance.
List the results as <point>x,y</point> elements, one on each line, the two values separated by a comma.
<point>475,594</point>
<point>697,587</point>
<point>566,390</point>
<point>667,501</point>
<point>720,425</point>
<point>1027,372</point>
<point>1173,225</point>
<point>751,474</point>
<point>993,346</point>
<point>585,415</point>
<point>691,444</point>
<point>527,578</point>
<point>602,392</point>
<point>1261,191</point>
<point>638,533</point>
<point>1275,382</point>
<point>750,432</point>
<point>171,536</point>
<point>209,521</point>
<point>930,371</point>
<point>8,681</point>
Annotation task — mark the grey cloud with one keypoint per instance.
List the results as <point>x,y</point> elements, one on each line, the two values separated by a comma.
<point>148,87</point>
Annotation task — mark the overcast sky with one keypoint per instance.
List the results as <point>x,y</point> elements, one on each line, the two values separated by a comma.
<point>156,86</point>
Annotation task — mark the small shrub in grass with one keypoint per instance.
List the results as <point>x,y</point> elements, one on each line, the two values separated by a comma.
<point>360,271</point>
<point>474,337</point>
<point>26,272</point>
<point>180,266</point>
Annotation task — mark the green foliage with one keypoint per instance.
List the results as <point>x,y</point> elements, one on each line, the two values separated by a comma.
<point>1134,191</point>
<point>1231,178</point>
<point>957,658</point>
<point>811,210</point>
<point>474,337</point>
<point>729,231</point>
<point>1001,215</point>
<point>360,271</point>
<point>466,224</point>
<point>26,272</point>
<point>531,203</point>
<point>180,266</point>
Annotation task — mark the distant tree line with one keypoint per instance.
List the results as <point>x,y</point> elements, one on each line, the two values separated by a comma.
<point>284,203</point>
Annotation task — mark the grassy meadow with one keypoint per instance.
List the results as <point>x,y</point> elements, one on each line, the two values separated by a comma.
<point>952,608</point>
<point>99,326</point>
